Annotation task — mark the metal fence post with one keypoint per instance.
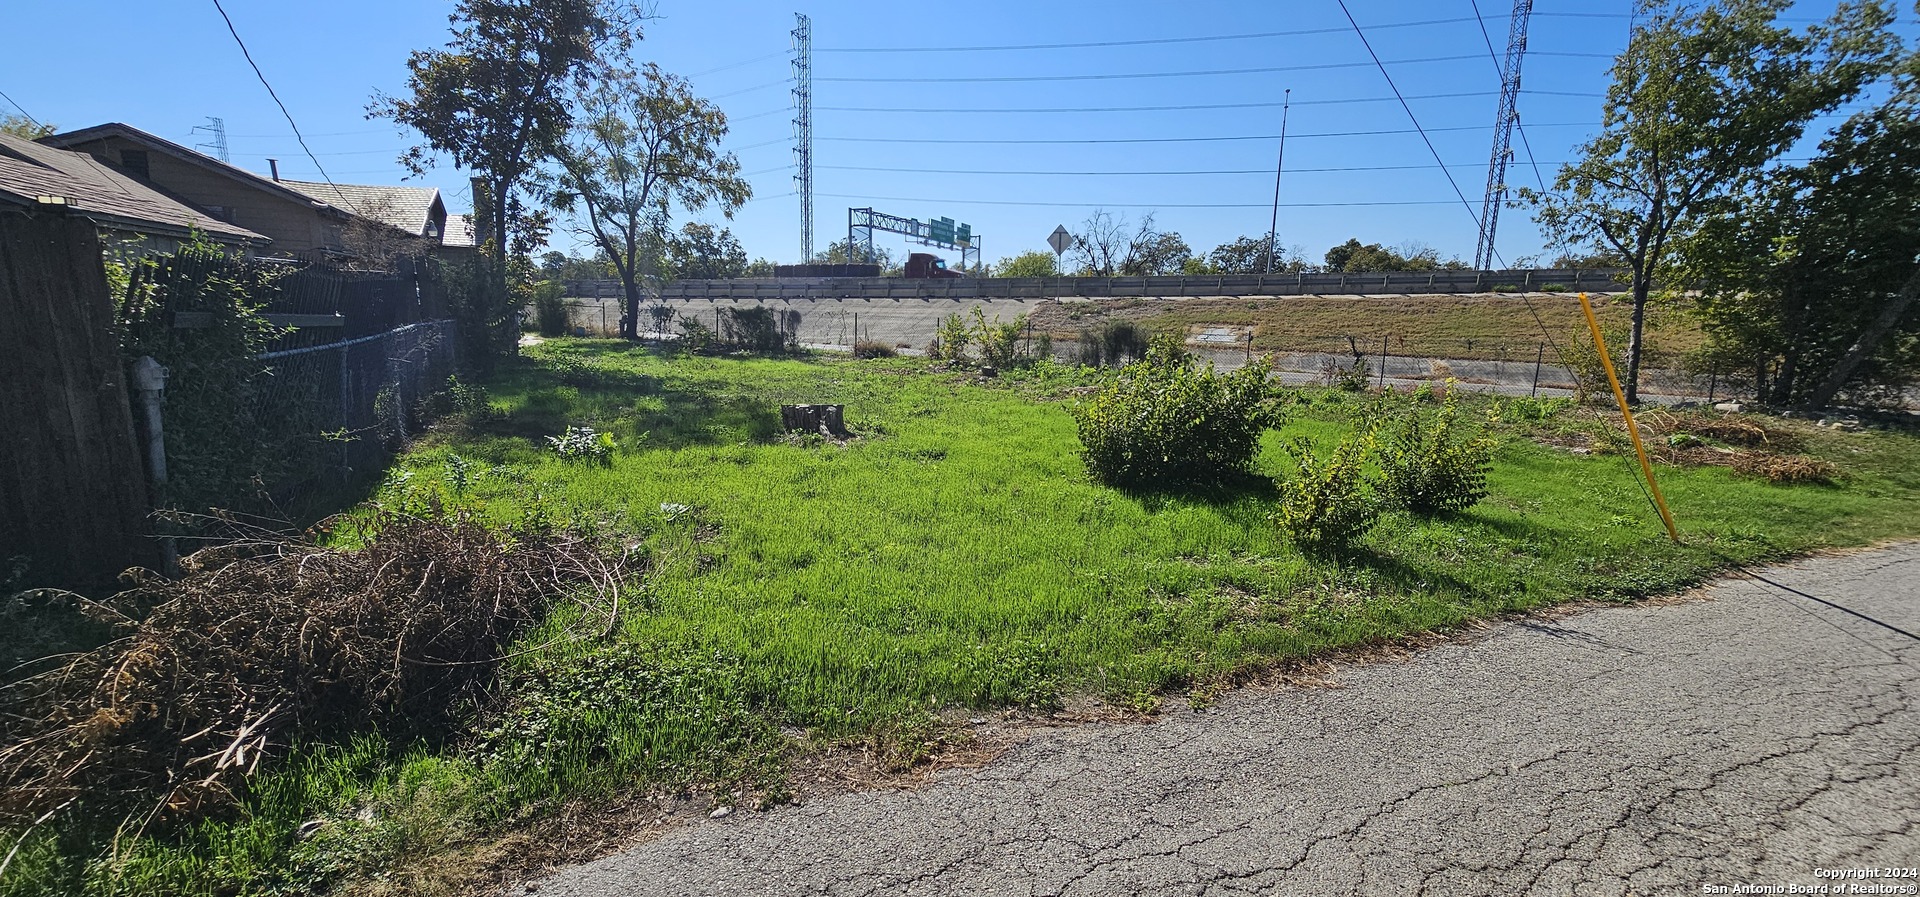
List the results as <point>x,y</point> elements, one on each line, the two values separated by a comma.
<point>1383,361</point>
<point>1713,380</point>
<point>1538,357</point>
<point>150,380</point>
<point>346,396</point>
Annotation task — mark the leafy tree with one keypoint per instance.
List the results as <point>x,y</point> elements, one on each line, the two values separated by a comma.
<point>495,101</point>
<point>843,252</point>
<point>1153,252</point>
<point>1354,256</point>
<point>24,127</point>
<point>1812,275</point>
<point>643,144</point>
<point>1601,259</point>
<point>758,268</point>
<point>1701,98</point>
<point>1027,264</point>
<point>1248,255</point>
<point>555,265</point>
<point>701,253</point>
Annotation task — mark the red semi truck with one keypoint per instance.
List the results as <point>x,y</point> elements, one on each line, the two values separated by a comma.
<point>927,265</point>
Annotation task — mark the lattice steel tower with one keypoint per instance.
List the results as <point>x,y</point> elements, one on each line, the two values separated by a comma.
<point>218,128</point>
<point>803,129</point>
<point>1483,257</point>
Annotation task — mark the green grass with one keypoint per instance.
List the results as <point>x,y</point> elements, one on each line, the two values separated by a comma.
<point>955,556</point>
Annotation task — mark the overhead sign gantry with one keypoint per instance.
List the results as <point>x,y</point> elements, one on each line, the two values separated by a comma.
<point>940,232</point>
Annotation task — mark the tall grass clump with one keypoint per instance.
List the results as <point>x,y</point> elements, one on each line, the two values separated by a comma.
<point>1163,421</point>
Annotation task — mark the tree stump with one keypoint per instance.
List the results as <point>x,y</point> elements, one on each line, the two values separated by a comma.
<point>826,420</point>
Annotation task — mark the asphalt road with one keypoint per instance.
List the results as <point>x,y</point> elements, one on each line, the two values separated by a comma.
<point>1753,738</point>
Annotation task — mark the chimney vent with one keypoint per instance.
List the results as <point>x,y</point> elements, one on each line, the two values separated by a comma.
<point>274,164</point>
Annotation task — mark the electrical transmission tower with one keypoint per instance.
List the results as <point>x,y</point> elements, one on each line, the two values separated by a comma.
<point>1483,257</point>
<point>218,128</point>
<point>803,129</point>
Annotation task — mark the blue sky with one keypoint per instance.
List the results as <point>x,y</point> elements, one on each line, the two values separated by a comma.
<point>167,67</point>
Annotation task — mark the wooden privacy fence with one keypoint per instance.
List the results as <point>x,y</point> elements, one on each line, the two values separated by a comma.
<point>72,487</point>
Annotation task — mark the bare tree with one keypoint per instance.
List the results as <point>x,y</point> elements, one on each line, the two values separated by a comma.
<point>1101,243</point>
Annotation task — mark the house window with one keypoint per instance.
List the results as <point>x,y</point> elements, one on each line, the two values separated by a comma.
<point>221,213</point>
<point>135,161</point>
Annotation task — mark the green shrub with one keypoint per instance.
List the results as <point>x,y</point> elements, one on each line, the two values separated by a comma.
<point>549,307</point>
<point>999,342</point>
<point>951,343</point>
<point>758,330</point>
<point>1329,502</point>
<point>696,337</point>
<point>1429,466</point>
<point>1351,378</point>
<point>1162,421</point>
<point>1114,343</point>
<point>1553,288</point>
<point>1582,359</point>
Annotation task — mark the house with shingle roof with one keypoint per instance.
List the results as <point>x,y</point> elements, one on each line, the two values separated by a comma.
<point>126,209</point>
<point>304,219</point>
<point>416,211</point>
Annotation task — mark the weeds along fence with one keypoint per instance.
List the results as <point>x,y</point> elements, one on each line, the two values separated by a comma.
<point>281,382</point>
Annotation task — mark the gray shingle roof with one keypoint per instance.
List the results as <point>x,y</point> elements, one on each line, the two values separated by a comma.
<point>408,208</point>
<point>29,170</point>
<point>460,232</point>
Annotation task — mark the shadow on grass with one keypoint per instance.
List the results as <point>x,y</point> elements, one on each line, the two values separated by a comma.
<point>547,397</point>
<point>1236,494</point>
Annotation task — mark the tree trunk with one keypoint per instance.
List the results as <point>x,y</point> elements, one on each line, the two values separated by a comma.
<point>1632,384</point>
<point>630,323</point>
<point>1870,340</point>
<point>1785,378</point>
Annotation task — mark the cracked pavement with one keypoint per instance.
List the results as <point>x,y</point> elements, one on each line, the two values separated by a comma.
<point>1749,738</point>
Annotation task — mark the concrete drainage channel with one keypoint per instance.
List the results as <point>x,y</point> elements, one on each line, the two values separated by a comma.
<point>907,325</point>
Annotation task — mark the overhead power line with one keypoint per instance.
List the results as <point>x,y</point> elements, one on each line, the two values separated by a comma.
<point>270,92</point>
<point>1500,72</point>
<point>1139,205</point>
<point>735,65</point>
<point>1138,173</point>
<point>1300,32</point>
<point>1415,119</point>
<point>23,109</point>
<point>1209,139</point>
<point>1131,75</point>
<point>1193,107</point>
<point>1142,42</point>
<point>735,93</point>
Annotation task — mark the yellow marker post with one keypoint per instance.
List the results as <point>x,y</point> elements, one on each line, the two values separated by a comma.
<point>1633,429</point>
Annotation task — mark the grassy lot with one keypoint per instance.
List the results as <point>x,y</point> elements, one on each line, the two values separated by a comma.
<point>1489,326</point>
<point>954,556</point>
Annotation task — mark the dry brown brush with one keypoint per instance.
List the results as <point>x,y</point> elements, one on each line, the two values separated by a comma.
<point>266,643</point>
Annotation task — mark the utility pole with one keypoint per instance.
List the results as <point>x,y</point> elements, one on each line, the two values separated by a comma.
<point>1279,165</point>
<point>803,129</point>
<point>1483,258</point>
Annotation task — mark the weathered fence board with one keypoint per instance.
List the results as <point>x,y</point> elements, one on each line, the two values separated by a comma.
<point>72,484</point>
